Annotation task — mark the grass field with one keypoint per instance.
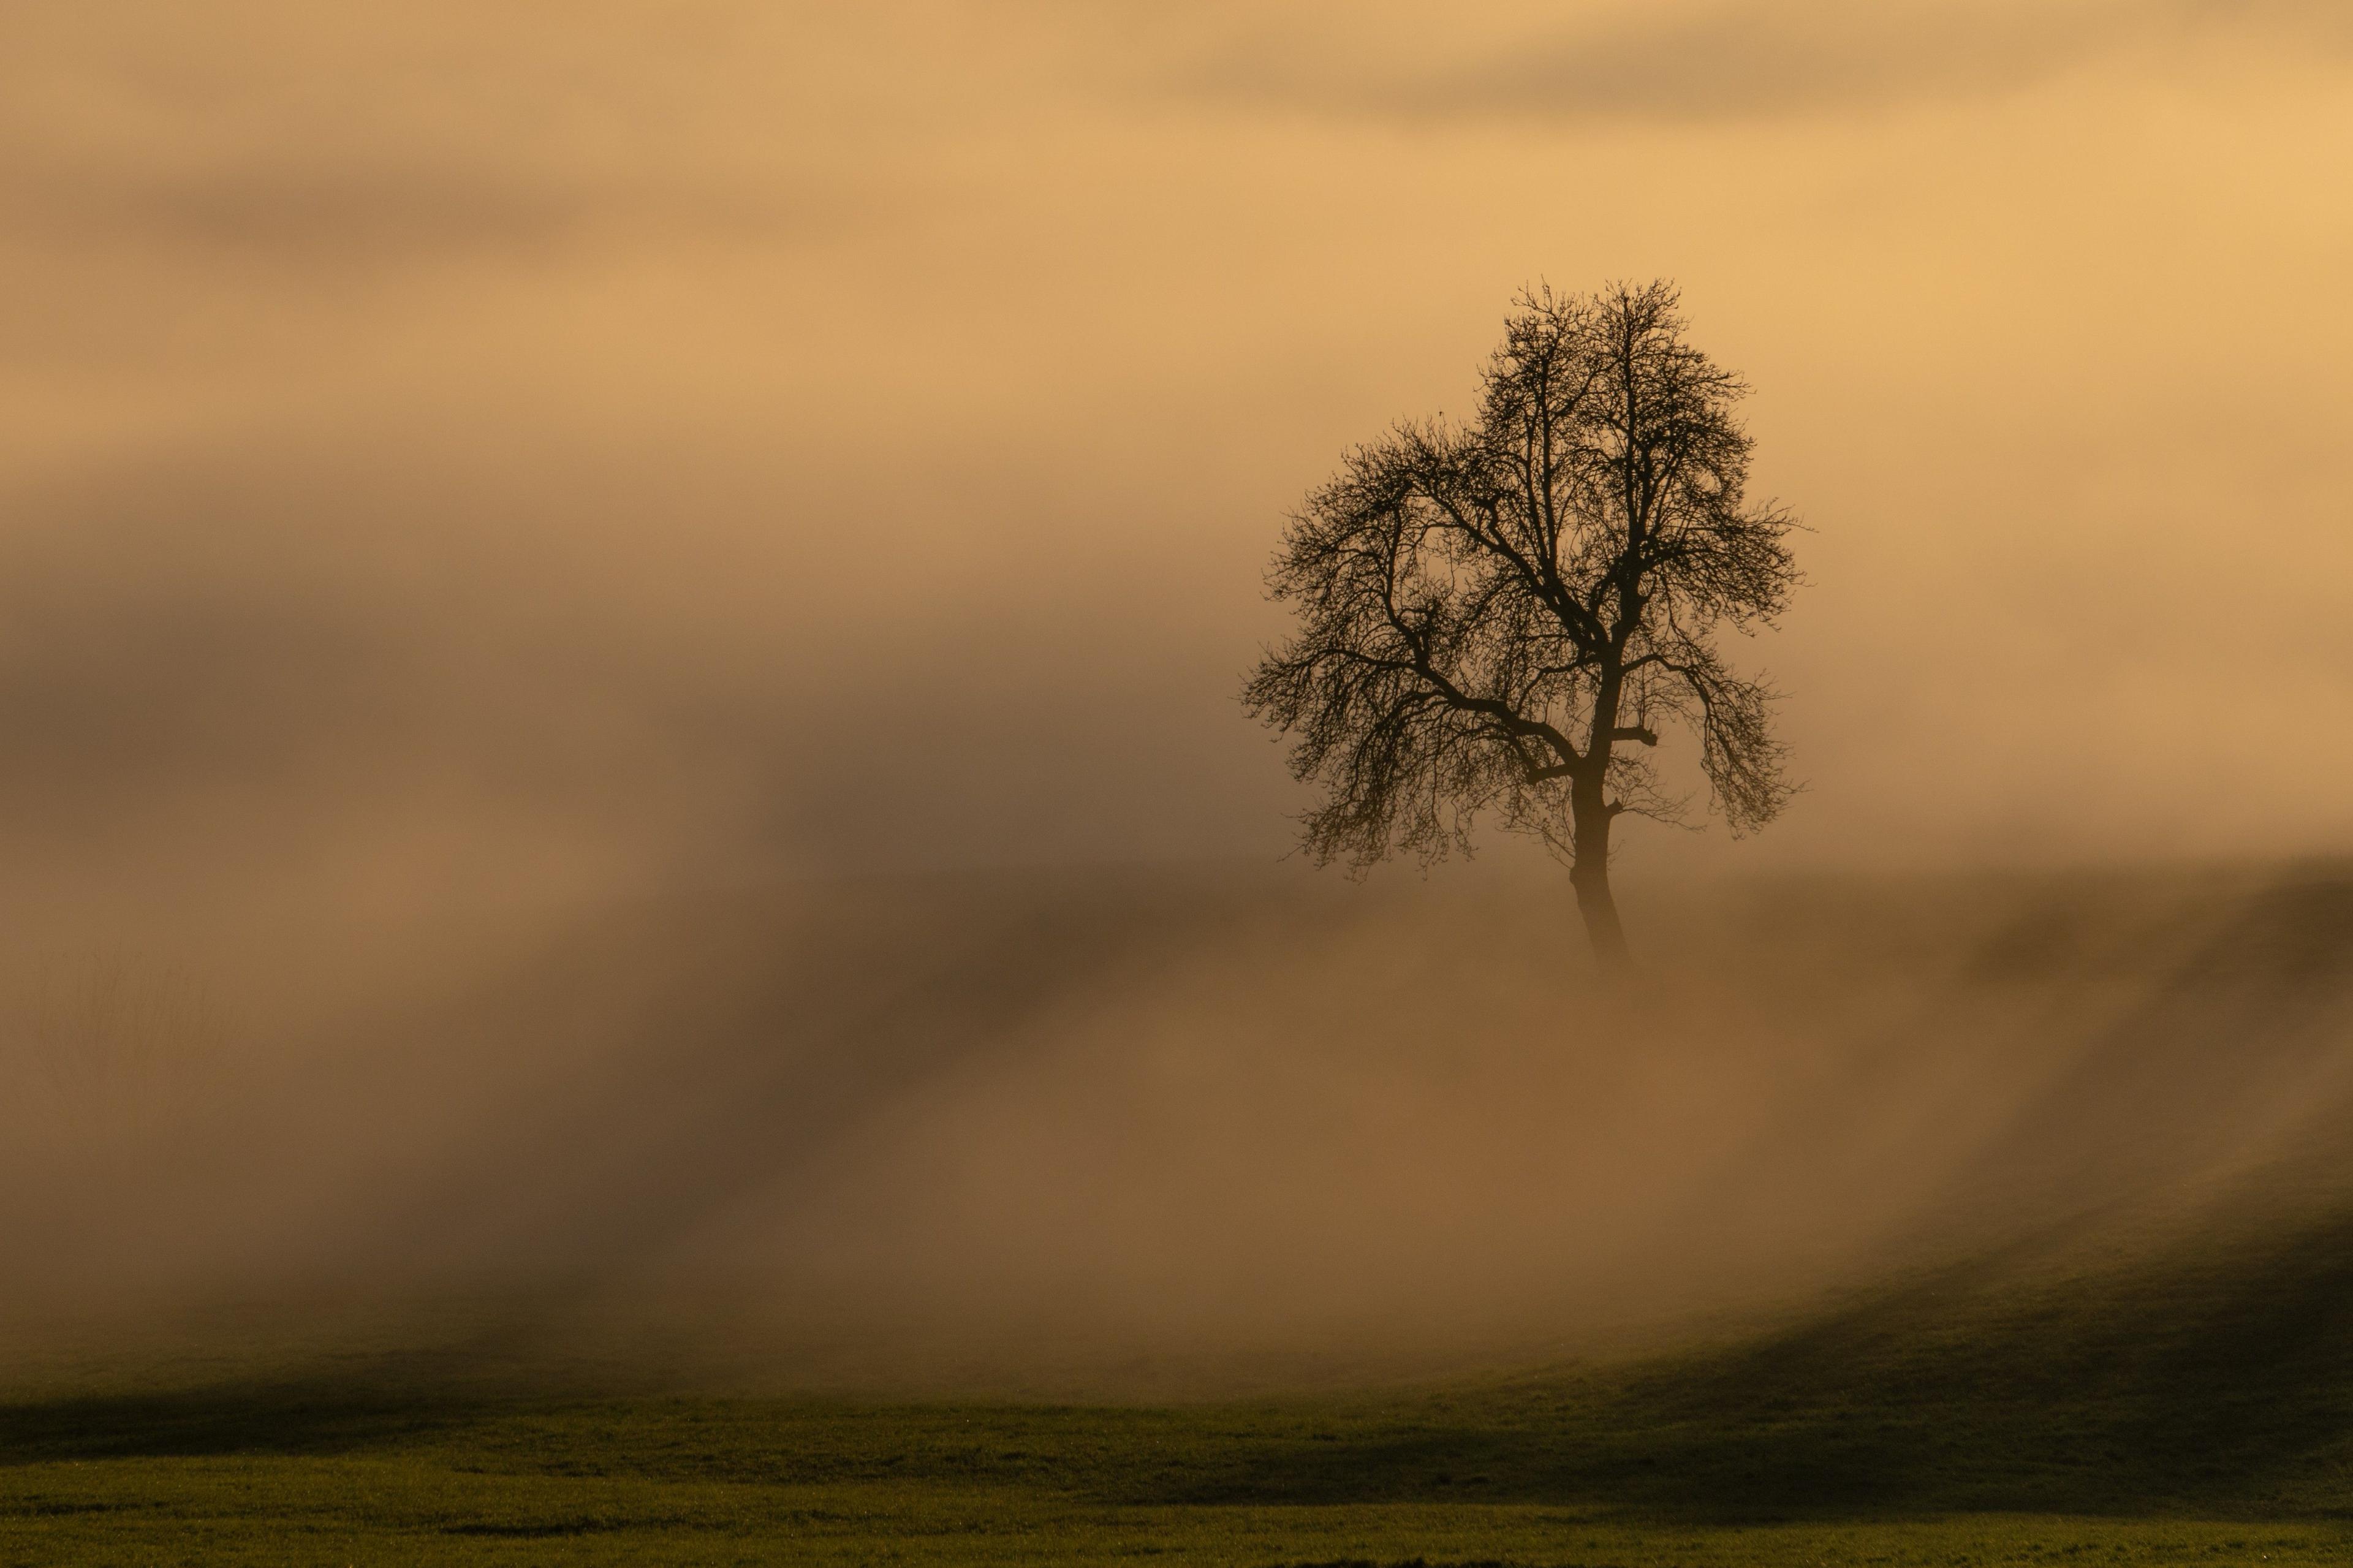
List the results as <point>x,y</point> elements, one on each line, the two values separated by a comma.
<point>2197,1408</point>
<point>2121,1332</point>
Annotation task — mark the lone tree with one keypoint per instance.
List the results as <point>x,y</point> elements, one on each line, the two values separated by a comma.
<point>1505,614</point>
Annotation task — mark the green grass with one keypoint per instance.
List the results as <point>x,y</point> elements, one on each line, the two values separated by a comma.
<point>2198,1410</point>
<point>301,1475</point>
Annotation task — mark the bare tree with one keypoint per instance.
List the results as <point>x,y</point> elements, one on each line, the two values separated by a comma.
<point>1503,614</point>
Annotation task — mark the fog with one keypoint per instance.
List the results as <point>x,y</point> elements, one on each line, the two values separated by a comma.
<point>1165,1130</point>
<point>619,632</point>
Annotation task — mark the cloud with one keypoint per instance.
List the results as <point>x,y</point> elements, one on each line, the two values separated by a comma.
<point>312,211</point>
<point>1749,61</point>
<point>338,213</point>
<point>268,133</point>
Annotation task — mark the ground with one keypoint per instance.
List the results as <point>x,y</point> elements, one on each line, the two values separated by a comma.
<point>2128,1337</point>
<point>2192,1408</point>
<point>280,1480</point>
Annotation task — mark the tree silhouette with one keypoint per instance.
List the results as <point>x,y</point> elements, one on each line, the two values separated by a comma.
<point>1503,614</point>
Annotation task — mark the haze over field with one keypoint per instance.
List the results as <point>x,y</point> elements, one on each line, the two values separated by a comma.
<point>1158,1130</point>
<point>575,581</point>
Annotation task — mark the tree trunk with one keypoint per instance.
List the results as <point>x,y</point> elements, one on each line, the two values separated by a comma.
<point>1589,872</point>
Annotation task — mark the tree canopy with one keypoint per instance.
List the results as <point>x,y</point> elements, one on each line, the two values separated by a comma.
<point>1503,614</point>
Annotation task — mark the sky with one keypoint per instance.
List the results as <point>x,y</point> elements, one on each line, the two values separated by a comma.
<point>452,452</point>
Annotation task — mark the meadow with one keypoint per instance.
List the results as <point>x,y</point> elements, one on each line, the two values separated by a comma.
<point>2044,1253</point>
<point>2196,1407</point>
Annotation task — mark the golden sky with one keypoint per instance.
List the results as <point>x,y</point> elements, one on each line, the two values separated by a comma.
<point>444,444</point>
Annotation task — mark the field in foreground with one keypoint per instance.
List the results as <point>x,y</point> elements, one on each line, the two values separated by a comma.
<point>2023,1236</point>
<point>2194,1408</point>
